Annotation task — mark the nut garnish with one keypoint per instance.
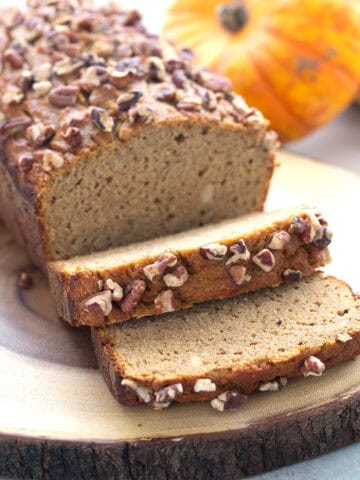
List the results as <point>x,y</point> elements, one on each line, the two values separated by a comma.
<point>209,100</point>
<point>133,293</point>
<point>265,260</point>
<point>312,366</point>
<point>143,393</point>
<point>42,72</point>
<point>190,103</point>
<point>102,119</point>
<point>230,400</point>
<point>126,100</point>
<point>177,277</point>
<point>51,160</point>
<point>277,384</point>
<point>72,136</point>
<point>166,302</point>
<point>42,88</point>
<point>103,300</point>
<point>15,95</point>
<point>64,96</point>
<point>26,161</point>
<point>238,273</point>
<point>292,275</point>
<point>214,251</point>
<point>116,290</point>
<point>325,238</point>
<point>344,337</point>
<point>279,240</point>
<point>14,58</point>
<point>156,269</point>
<point>39,133</point>
<point>166,395</point>
<point>240,252</point>
<point>165,93</point>
<point>65,67</point>
<point>141,114</point>
<point>306,228</point>
<point>214,82</point>
<point>15,125</point>
<point>24,281</point>
<point>204,385</point>
<point>156,69</point>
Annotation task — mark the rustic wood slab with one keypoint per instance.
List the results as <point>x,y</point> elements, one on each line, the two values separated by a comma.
<point>58,420</point>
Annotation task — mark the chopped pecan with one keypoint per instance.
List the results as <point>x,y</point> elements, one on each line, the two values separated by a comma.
<point>166,302</point>
<point>64,96</point>
<point>72,136</point>
<point>179,79</point>
<point>240,252</point>
<point>156,269</point>
<point>94,76</point>
<point>265,260</point>
<point>190,103</point>
<point>165,93</point>
<point>141,114</point>
<point>42,88</point>
<point>15,95</point>
<point>121,79</point>
<point>25,161</point>
<point>42,72</point>
<point>14,125</point>
<point>143,393</point>
<point>325,238</point>
<point>133,294</point>
<point>204,385</point>
<point>292,275</point>
<point>238,273</point>
<point>102,300</point>
<point>279,240</point>
<point>166,395</point>
<point>116,290</point>
<point>66,67</point>
<point>156,69</point>
<point>126,100</point>
<point>230,400</point>
<point>209,100</point>
<point>51,160</point>
<point>277,384</point>
<point>102,119</point>
<point>214,251</point>
<point>39,133</point>
<point>14,58</point>
<point>312,366</point>
<point>306,228</point>
<point>177,277</point>
<point>212,81</point>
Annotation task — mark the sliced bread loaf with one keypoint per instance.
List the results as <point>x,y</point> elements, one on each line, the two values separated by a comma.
<point>222,351</point>
<point>109,135</point>
<point>174,272</point>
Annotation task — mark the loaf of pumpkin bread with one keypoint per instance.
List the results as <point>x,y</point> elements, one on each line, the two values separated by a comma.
<point>174,272</point>
<point>224,350</point>
<point>109,135</point>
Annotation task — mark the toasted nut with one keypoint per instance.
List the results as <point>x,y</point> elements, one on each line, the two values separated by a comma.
<point>312,366</point>
<point>238,273</point>
<point>209,100</point>
<point>102,119</point>
<point>94,76</point>
<point>177,277</point>
<point>344,337</point>
<point>14,58</point>
<point>42,72</point>
<point>15,125</point>
<point>230,400</point>
<point>116,290</point>
<point>265,260</point>
<point>42,88</point>
<point>179,79</point>
<point>292,275</point>
<point>276,384</point>
<point>25,161</point>
<point>279,240</point>
<point>24,281</point>
<point>214,251</point>
<point>190,103</point>
<point>64,96</point>
<point>204,385</point>
<point>165,93</point>
<point>143,393</point>
<point>166,302</point>
<point>39,133</point>
<point>165,396</point>
<point>14,95</point>
<point>126,100</point>
<point>214,82</point>
<point>133,293</point>
<point>325,238</point>
<point>141,114</point>
<point>122,79</point>
<point>156,269</point>
<point>51,160</point>
<point>306,228</point>
<point>66,66</point>
<point>103,300</point>
<point>72,136</point>
<point>240,252</point>
<point>156,69</point>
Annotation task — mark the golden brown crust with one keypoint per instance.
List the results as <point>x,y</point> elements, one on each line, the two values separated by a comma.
<point>207,279</point>
<point>246,380</point>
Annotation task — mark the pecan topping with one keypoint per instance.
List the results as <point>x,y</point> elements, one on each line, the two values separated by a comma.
<point>42,88</point>
<point>103,300</point>
<point>344,337</point>
<point>277,384</point>
<point>265,260</point>
<point>325,238</point>
<point>15,95</point>
<point>306,228</point>
<point>42,72</point>
<point>65,67</point>
<point>116,290</point>
<point>230,400</point>
<point>204,385</point>
<point>133,293</point>
<point>51,160</point>
<point>166,395</point>
<point>209,100</point>
<point>190,103</point>
<point>279,240</point>
<point>102,119</point>
<point>143,393</point>
<point>179,79</point>
<point>141,114</point>
<point>126,100</point>
<point>14,58</point>
<point>14,125</point>
<point>156,269</point>
<point>64,96</point>
<point>165,302</point>
<point>39,133</point>
<point>214,251</point>
<point>72,136</point>
<point>24,281</point>
<point>121,79</point>
<point>238,273</point>
<point>166,93</point>
<point>214,82</point>
<point>312,366</point>
<point>177,277</point>
<point>292,275</point>
<point>94,76</point>
<point>156,69</point>
<point>240,252</point>
<point>25,161</point>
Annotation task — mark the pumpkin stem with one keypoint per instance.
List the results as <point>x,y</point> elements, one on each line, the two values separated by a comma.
<point>233,17</point>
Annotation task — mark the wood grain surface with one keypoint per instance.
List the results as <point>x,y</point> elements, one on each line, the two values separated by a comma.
<point>58,421</point>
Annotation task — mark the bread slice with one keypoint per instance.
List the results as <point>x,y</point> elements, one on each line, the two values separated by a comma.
<point>224,350</point>
<point>174,272</point>
<point>109,135</point>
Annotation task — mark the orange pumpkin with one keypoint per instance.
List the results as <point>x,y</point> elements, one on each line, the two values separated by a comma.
<point>298,61</point>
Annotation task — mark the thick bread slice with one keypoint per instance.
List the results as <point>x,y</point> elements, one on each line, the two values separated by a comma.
<point>174,272</point>
<point>239,344</point>
<point>109,135</point>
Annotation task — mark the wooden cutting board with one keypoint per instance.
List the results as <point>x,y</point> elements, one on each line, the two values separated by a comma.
<point>58,420</point>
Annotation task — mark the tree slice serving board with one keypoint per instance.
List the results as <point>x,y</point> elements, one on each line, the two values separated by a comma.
<point>59,421</point>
